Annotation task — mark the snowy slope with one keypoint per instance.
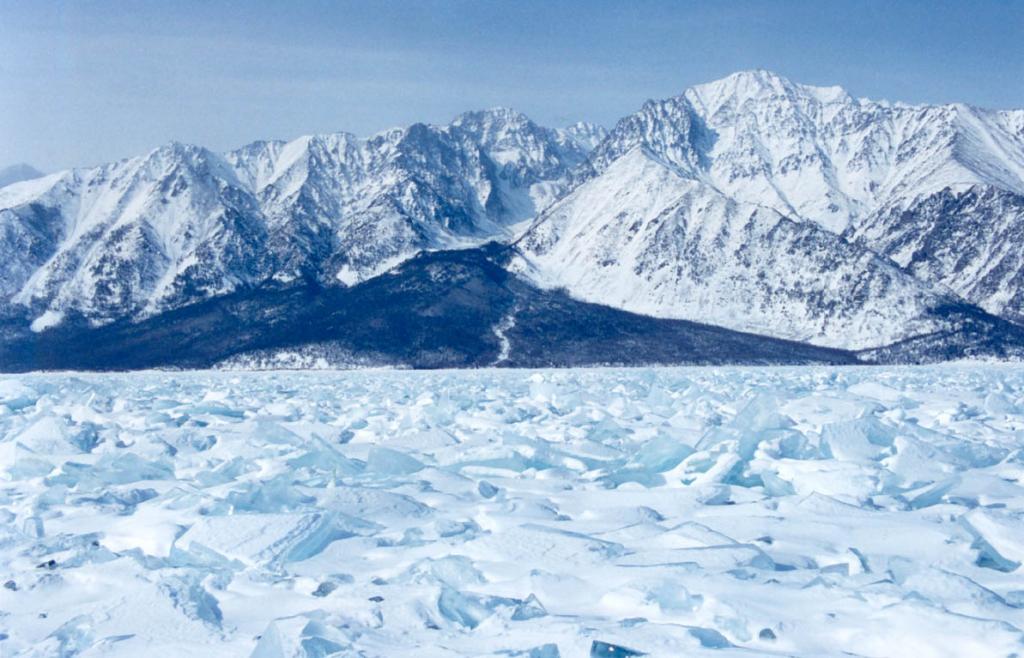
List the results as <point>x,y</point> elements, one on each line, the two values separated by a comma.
<point>644,238</point>
<point>969,240</point>
<point>678,212</point>
<point>163,229</point>
<point>182,223</point>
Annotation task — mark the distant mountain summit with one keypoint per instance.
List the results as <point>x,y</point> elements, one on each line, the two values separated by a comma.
<point>18,172</point>
<point>752,203</point>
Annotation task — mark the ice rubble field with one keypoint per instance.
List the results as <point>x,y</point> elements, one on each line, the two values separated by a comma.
<point>674,512</point>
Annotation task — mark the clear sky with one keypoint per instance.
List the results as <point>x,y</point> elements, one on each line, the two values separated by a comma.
<point>86,82</point>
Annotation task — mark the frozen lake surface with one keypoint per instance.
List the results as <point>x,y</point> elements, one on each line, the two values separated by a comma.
<point>674,512</point>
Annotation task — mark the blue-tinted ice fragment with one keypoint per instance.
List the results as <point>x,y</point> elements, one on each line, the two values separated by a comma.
<point>661,454</point>
<point>322,458</point>
<point>709,638</point>
<point>452,528</point>
<point>997,404</point>
<point>274,495</point>
<point>640,476</point>
<point>469,610</point>
<point>465,610</point>
<point>934,494</point>
<point>1014,598</point>
<point>452,570</point>
<point>214,409</point>
<point>320,647</point>
<point>325,588</point>
<point>531,608</point>
<point>122,502</point>
<point>74,636</point>
<point>16,395</point>
<point>600,649</point>
<point>270,643</point>
<point>26,467</point>
<point>85,438</point>
<point>673,597</point>
<point>486,489</point>
<point>202,442</point>
<point>129,467</point>
<point>223,473</point>
<point>34,527</point>
<point>188,595</point>
<point>775,486</point>
<point>761,413</point>
<point>385,461</point>
<point>988,556</point>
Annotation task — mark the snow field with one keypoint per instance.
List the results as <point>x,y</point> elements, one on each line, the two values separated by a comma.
<point>673,512</point>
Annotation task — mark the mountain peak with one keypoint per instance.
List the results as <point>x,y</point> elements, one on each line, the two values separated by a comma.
<point>760,84</point>
<point>756,76</point>
<point>748,82</point>
<point>199,160</point>
<point>17,173</point>
<point>586,135</point>
<point>176,150</point>
<point>500,112</point>
<point>491,119</point>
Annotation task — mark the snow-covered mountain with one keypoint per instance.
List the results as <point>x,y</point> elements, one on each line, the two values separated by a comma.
<point>346,208</point>
<point>969,239</point>
<point>182,223</point>
<point>642,237</point>
<point>170,227</point>
<point>738,202</point>
<point>752,202</point>
<point>817,153</point>
<point>17,173</point>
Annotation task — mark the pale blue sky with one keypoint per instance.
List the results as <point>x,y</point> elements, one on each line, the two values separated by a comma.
<point>87,82</point>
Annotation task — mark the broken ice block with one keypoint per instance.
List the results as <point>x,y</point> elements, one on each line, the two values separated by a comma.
<point>600,649</point>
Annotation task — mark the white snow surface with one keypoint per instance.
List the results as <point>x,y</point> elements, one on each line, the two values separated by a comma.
<point>46,320</point>
<point>697,512</point>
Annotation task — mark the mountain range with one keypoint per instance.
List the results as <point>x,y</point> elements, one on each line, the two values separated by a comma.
<point>751,219</point>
